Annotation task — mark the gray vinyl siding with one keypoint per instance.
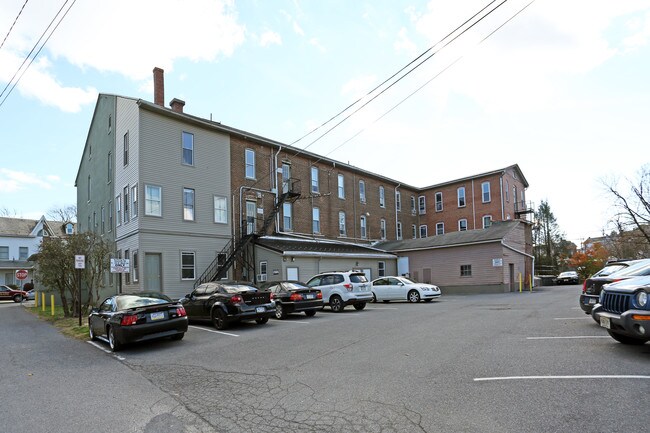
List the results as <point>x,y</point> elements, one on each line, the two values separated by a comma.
<point>127,121</point>
<point>160,165</point>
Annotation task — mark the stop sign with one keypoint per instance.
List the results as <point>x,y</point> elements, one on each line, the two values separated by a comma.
<point>21,274</point>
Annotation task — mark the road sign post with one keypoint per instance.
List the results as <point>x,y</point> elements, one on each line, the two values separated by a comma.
<point>79,264</point>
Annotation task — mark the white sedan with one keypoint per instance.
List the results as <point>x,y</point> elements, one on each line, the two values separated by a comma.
<point>402,289</point>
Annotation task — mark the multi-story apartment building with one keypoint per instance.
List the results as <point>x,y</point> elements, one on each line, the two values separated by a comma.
<point>178,194</point>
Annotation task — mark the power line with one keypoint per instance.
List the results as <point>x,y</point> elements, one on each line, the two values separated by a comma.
<point>14,23</point>
<point>13,86</point>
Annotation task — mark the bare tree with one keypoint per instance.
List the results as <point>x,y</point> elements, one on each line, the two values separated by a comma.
<point>632,206</point>
<point>66,213</point>
<point>6,212</point>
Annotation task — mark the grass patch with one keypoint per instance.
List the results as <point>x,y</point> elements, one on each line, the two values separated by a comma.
<point>67,325</point>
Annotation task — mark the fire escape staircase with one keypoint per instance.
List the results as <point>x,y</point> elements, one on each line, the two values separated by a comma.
<point>234,250</point>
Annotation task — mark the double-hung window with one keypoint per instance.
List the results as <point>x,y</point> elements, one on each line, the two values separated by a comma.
<point>485,188</point>
<point>461,196</point>
<point>134,201</point>
<point>487,221</point>
<point>382,197</point>
<point>462,225</point>
<point>287,219</point>
<point>438,202</point>
<point>342,228</point>
<point>440,228</point>
<point>362,191</point>
<point>423,231</point>
<point>126,204</point>
<point>422,205</point>
<point>23,253</point>
<point>364,228</point>
<point>398,201</point>
<point>413,208</point>
<point>315,218</point>
<point>118,210</point>
<point>220,210</point>
<point>382,228</point>
<point>125,151</point>
<point>314,180</point>
<point>153,200</point>
<point>399,230</point>
<point>250,164</point>
<point>187,265</point>
<point>341,186</point>
<point>188,148</point>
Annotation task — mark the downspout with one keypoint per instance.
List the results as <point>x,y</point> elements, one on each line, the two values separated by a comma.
<point>501,196</point>
<point>277,189</point>
<point>473,207</point>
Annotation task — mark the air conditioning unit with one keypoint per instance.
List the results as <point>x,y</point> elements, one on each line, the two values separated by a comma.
<point>261,278</point>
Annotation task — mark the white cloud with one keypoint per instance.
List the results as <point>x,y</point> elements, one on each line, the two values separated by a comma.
<point>316,43</point>
<point>121,36</point>
<point>403,43</point>
<point>270,38</point>
<point>14,181</point>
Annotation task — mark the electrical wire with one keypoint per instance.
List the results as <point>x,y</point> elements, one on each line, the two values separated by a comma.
<point>13,86</point>
<point>14,23</point>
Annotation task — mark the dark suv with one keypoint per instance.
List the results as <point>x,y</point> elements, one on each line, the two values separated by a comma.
<point>624,310</point>
<point>594,284</point>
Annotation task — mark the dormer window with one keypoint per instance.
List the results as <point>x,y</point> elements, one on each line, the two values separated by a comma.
<point>69,229</point>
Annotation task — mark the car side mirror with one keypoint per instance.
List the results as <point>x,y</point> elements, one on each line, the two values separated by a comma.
<point>188,296</point>
<point>94,310</point>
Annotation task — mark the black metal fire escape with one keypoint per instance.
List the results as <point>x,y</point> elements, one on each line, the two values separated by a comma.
<point>240,250</point>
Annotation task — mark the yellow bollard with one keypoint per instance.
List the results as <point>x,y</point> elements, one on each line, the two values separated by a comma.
<point>520,283</point>
<point>52,302</point>
<point>35,299</point>
<point>42,301</point>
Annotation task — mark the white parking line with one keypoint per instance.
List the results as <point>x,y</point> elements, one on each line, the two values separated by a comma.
<point>293,322</point>
<point>382,308</point>
<point>103,349</point>
<point>595,376</point>
<point>212,330</point>
<point>571,337</point>
<point>572,318</point>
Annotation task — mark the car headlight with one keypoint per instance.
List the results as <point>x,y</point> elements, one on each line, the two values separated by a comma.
<point>426,289</point>
<point>642,298</point>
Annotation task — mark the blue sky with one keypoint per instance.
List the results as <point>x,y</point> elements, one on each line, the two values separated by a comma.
<point>562,89</point>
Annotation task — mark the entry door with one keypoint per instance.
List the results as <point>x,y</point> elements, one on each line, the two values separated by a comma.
<point>511,268</point>
<point>292,274</point>
<point>251,208</point>
<point>153,272</point>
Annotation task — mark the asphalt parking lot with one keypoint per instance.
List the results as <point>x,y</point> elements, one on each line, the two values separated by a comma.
<point>520,362</point>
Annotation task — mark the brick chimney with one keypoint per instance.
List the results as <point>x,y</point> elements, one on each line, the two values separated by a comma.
<point>158,86</point>
<point>177,105</point>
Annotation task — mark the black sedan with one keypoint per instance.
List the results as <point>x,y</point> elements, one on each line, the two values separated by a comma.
<point>135,317</point>
<point>294,297</point>
<point>225,302</point>
<point>593,285</point>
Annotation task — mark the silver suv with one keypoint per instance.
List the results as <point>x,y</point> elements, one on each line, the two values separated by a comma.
<point>343,288</point>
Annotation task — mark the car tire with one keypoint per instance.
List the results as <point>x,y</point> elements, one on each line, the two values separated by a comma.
<point>18,298</point>
<point>113,342</point>
<point>374,298</point>
<point>624,339</point>
<point>428,300</point>
<point>310,313</point>
<point>178,337</point>
<point>219,318</point>
<point>280,313</point>
<point>261,320</point>
<point>414,296</point>
<point>385,301</point>
<point>359,306</point>
<point>336,303</point>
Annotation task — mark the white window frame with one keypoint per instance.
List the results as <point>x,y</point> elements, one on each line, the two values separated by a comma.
<point>363,227</point>
<point>422,205</point>
<point>440,229</point>
<point>362,191</point>
<point>189,208</point>
<point>220,209</point>
<point>382,229</point>
<point>381,269</point>
<point>286,177</point>
<point>315,220</point>
<point>382,197</point>
<point>486,196</point>
<point>118,210</point>
<point>341,186</point>
<point>414,231</point>
<point>135,270</point>
<point>125,150</point>
<point>134,201</point>
<point>249,160</point>
<point>126,204</point>
<point>487,221</point>
<point>398,231</point>
<point>414,208</point>
<point>342,226</point>
<point>315,187</point>
<point>438,199</point>
<point>150,201</point>
<point>460,225</point>
<point>423,231</point>
<point>398,201</point>
<point>22,256</point>
<point>287,217</point>
<point>460,194</point>
<point>187,144</point>
<point>4,252</point>
<point>507,190</point>
<point>187,267</point>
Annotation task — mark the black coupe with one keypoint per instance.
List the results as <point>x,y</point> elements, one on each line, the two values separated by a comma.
<point>294,297</point>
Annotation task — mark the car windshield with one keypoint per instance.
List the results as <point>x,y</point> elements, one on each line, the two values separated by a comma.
<point>641,268</point>
<point>125,302</point>
<point>568,274</point>
<point>295,286</point>
<point>610,269</point>
<point>238,288</point>
<point>358,278</point>
<point>406,280</point>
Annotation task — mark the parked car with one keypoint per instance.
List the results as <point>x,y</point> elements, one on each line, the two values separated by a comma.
<point>293,297</point>
<point>136,317</point>
<point>30,295</point>
<point>225,302</point>
<point>614,266</point>
<point>388,289</point>
<point>568,277</point>
<point>9,294</point>
<point>343,288</point>
<point>593,285</point>
<point>624,310</point>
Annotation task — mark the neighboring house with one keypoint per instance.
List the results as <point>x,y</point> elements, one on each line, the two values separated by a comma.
<point>183,197</point>
<point>493,260</point>
<point>21,238</point>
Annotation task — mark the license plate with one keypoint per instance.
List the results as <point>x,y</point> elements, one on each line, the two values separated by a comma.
<point>157,316</point>
<point>605,323</point>
<point>260,309</point>
<point>311,296</point>
<point>592,301</point>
